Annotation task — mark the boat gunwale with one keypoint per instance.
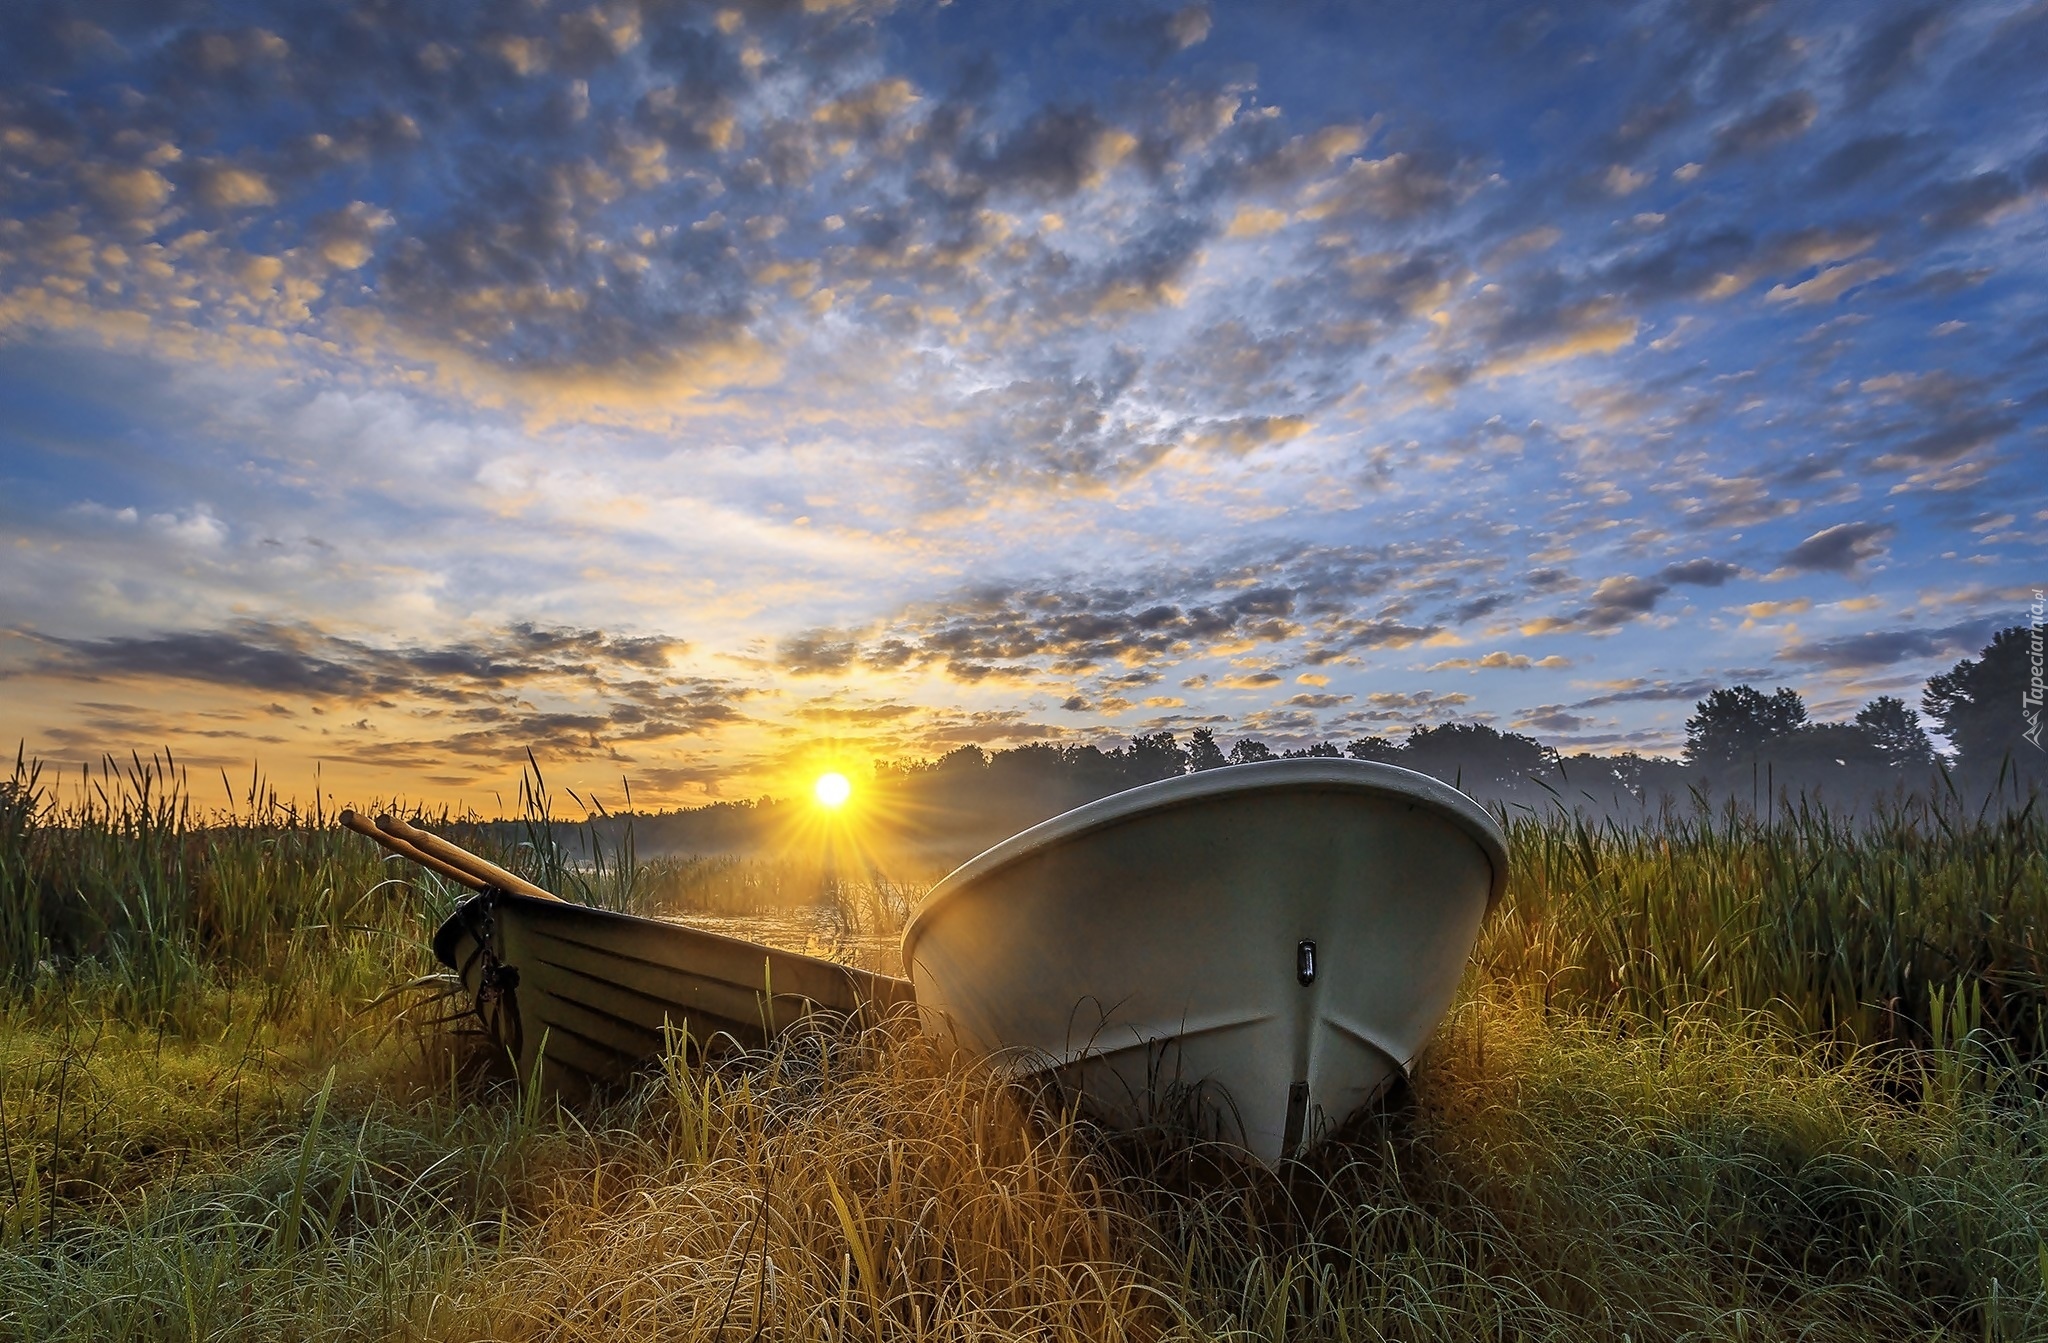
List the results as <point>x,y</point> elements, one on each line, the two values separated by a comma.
<point>455,926</point>
<point>1312,774</point>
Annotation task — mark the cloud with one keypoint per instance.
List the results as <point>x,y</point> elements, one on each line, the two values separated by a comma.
<point>346,238</point>
<point>1969,202</point>
<point>1639,692</point>
<point>1550,718</point>
<point>1706,573</point>
<point>858,715</point>
<point>1883,648</point>
<point>1499,661</point>
<point>1321,599</point>
<point>1242,435</point>
<point>1861,158</point>
<point>817,653</point>
<point>1346,635</point>
<point>507,279</point>
<point>1398,188</point>
<point>1783,118</point>
<point>1893,49</point>
<point>1722,18</point>
<point>1839,549</point>
<point>302,660</point>
<point>1385,707</point>
<point>1722,261</point>
<point>1615,602</point>
<point>1467,611</point>
<point>562,690</point>
<point>1831,283</point>
<point>1733,501</point>
<point>1620,599</point>
<point>1052,155</point>
<point>225,187</point>
<point>1947,417</point>
<point>126,191</point>
<point>1010,631</point>
<point>1158,35</point>
<point>1254,221</point>
<point>867,110</point>
<point>1542,322</point>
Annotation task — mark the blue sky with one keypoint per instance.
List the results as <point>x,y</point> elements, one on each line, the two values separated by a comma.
<point>707,393</point>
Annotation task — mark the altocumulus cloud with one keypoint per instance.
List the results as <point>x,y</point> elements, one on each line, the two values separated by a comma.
<point>1009,352</point>
<point>469,697</point>
<point>303,660</point>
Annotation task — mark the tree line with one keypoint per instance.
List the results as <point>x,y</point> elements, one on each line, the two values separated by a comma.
<point>1741,743</point>
<point>1731,734</point>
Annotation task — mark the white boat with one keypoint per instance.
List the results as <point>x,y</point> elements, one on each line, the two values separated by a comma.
<point>1256,950</point>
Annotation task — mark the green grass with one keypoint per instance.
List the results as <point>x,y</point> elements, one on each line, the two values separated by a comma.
<point>1720,1078</point>
<point>1930,917</point>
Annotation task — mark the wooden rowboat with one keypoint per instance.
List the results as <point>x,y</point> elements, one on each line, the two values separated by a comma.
<point>581,997</point>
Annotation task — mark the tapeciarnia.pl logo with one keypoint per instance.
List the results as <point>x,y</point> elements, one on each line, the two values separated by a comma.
<point>2030,700</point>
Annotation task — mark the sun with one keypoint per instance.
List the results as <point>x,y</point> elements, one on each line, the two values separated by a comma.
<point>832,790</point>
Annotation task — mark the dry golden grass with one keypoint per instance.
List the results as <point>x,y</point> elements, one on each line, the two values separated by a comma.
<point>874,1189</point>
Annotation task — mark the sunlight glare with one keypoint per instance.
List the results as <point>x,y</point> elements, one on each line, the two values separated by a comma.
<point>832,790</point>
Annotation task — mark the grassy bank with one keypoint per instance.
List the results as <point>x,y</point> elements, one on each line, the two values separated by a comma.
<point>1717,1079</point>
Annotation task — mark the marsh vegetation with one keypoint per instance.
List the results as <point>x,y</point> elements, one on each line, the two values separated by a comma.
<point>1726,1075</point>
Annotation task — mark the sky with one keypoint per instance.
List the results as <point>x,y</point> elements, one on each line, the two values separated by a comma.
<point>703,395</point>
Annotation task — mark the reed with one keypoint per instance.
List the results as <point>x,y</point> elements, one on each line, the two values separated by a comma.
<point>123,888</point>
<point>1863,932</point>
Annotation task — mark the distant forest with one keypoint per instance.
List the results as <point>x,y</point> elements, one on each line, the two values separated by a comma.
<point>1745,745</point>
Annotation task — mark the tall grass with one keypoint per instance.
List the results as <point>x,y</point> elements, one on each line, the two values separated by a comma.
<point>1587,1178</point>
<point>1725,1077</point>
<point>122,885</point>
<point>356,1218</point>
<point>1869,932</point>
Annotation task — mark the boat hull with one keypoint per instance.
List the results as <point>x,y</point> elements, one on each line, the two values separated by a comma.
<point>580,997</point>
<point>1254,952</point>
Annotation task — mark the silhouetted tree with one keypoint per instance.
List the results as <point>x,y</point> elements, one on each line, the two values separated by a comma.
<point>1315,750</point>
<point>1246,751</point>
<point>1734,726</point>
<point>961,760</point>
<point>1374,748</point>
<point>1203,752</point>
<point>1475,757</point>
<point>1896,733</point>
<point>1817,753</point>
<point>1034,760</point>
<point>1153,757</point>
<point>1092,772</point>
<point>1984,707</point>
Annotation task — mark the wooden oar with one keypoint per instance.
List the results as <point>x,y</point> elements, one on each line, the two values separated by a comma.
<point>404,850</point>
<point>490,873</point>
